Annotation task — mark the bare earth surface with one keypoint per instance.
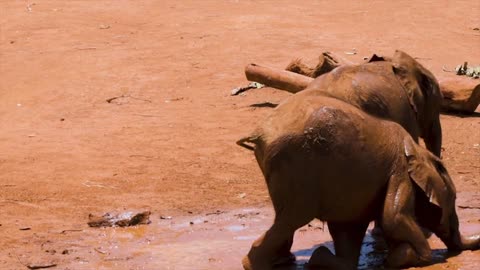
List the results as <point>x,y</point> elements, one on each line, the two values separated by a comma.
<point>167,142</point>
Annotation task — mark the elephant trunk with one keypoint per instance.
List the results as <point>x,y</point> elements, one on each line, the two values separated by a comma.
<point>454,240</point>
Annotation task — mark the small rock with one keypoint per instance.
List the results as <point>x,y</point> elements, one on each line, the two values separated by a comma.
<point>165,217</point>
<point>121,220</point>
<point>242,195</point>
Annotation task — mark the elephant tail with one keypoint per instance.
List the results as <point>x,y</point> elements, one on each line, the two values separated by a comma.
<point>247,142</point>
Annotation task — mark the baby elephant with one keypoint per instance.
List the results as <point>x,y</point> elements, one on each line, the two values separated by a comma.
<point>323,158</point>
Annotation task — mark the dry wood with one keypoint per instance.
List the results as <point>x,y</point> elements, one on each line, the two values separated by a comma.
<point>327,61</point>
<point>461,94</point>
<point>280,79</point>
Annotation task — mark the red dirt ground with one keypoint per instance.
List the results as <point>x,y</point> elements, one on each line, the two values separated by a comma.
<point>167,144</point>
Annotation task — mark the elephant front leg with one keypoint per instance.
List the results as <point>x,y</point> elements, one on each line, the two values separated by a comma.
<point>347,239</point>
<point>407,243</point>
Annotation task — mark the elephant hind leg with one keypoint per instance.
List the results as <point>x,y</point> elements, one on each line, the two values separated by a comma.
<point>347,239</point>
<point>292,211</point>
<point>407,244</point>
<point>273,247</point>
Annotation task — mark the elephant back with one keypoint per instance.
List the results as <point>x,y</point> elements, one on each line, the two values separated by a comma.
<point>371,87</point>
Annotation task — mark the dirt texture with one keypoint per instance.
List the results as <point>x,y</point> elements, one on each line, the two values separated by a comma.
<point>125,106</point>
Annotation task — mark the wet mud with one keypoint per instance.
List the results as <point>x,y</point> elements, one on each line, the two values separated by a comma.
<point>216,240</point>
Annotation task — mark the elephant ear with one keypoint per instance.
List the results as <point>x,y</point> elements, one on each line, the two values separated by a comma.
<point>419,83</point>
<point>430,176</point>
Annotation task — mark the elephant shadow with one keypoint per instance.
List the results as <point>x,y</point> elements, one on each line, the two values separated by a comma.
<point>373,254</point>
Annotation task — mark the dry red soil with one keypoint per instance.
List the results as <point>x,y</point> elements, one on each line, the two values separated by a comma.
<point>167,142</point>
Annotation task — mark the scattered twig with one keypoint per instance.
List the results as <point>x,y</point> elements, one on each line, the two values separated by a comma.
<point>86,48</point>
<point>100,251</point>
<point>142,156</point>
<point>173,99</point>
<point>71,230</point>
<point>118,259</point>
<point>252,85</point>
<point>146,115</point>
<point>109,100</point>
<point>30,266</point>
<point>444,68</point>
<point>146,100</point>
<point>244,215</point>
<point>218,212</point>
<point>93,184</point>
<point>352,52</point>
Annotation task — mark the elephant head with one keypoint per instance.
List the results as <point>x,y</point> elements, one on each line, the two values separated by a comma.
<point>424,95</point>
<point>435,198</point>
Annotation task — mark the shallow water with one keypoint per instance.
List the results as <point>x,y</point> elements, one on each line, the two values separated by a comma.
<point>219,241</point>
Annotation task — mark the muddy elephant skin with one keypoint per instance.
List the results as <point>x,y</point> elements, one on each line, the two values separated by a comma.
<point>397,88</point>
<point>323,158</point>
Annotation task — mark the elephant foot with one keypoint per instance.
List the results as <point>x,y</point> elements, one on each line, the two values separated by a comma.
<point>285,260</point>
<point>280,261</point>
<point>404,256</point>
<point>376,232</point>
<point>323,258</point>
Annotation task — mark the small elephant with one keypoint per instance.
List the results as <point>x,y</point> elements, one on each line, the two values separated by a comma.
<point>398,88</point>
<point>326,159</point>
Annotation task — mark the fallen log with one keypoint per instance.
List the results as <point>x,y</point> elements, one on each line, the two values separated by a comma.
<point>280,79</point>
<point>327,61</point>
<point>460,94</point>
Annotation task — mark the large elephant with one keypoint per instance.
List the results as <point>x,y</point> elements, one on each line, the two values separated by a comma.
<point>323,158</point>
<point>397,88</point>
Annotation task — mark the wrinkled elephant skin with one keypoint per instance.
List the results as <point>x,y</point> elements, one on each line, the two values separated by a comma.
<point>398,88</point>
<point>323,158</point>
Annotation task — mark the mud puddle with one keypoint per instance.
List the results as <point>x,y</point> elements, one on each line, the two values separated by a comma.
<point>219,240</point>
